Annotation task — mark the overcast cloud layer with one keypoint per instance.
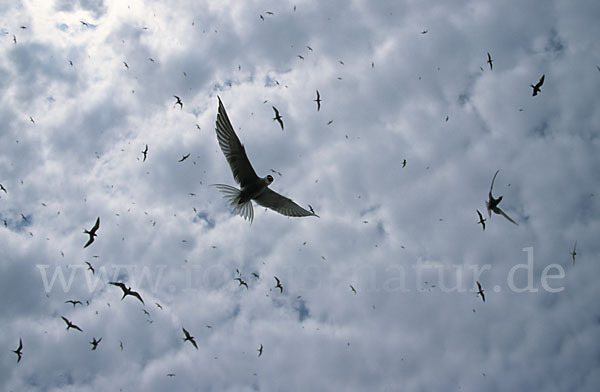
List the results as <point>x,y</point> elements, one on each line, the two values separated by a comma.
<point>85,85</point>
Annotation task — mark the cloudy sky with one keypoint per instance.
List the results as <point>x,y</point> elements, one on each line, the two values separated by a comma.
<point>85,85</point>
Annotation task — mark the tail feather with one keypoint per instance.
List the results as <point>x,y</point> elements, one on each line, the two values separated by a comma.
<point>232,195</point>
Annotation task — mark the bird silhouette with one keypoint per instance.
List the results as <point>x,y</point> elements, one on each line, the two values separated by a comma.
<point>353,289</point>
<point>490,61</point>
<point>300,57</point>
<point>260,350</point>
<point>70,324</point>
<point>480,291</point>
<point>252,187</point>
<point>256,275</point>
<point>18,351</point>
<point>278,286</point>
<point>94,343</point>
<point>157,304</point>
<point>242,283</point>
<point>2,188</point>
<point>278,117</point>
<point>574,253</point>
<point>73,302</point>
<point>170,374</point>
<point>92,232</point>
<point>481,220</point>
<point>404,163</point>
<point>125,64</point>
<point>536,88</point>
<point>90,268</point>
<point>318,101</point>
<point>184,157</point>
<point>145,152</point>
<point>127,291</point>
<point>178,102</point>
<point>492,204</point>
<point>189,338</point>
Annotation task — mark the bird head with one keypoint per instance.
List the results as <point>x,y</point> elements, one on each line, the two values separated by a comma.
<point>269,179</point>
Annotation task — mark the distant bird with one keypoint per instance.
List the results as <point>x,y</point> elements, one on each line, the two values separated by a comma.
<point>170,374</point>
<point>481,220</point>
<point>121,345</point>
<point>84,23</point>
<point>15,39</point>
<point>278,286</point>
<point>404,163</point>
<point>73,302</point>
<point>353,289</point>
<point>278,117</point>
<point>492,204</point>
<point>300,57</point>
<point>23,217</point>
<point>18,351</point>
<point>309,48</point>
<point>189,338</point>
<point>329,122</point>
<point>276,172</point>
<point>157,304</point>
<point>146,312</point>
<point>2,188</point>
<point>480,291</point>
<point>145,152</point>
<point>536,88</point>
<point>32,120</point>
<point>269,13</point>
<point>574,253</point>
<point>184,157</point>
<point>70,324</point>
<point>424,31</point>
<point>90,268</point>
<point>341,62</point>
<point>94,343</point>
<point>151,59</point>
<point>260,350</point>
<point>178,102</point>
<point>261,17</point>
<point>490,61</point>
<point>127,291</point>
<point>312,210</point>
<point>256,275</point>
<point>92,232</point>
<point>318,101</point>
<point>125,64</point>
<point>252,187</point>
<point>242,283</point>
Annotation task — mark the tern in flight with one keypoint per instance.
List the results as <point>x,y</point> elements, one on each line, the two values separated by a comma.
<point>480,291</point>
<point>404,163</point>
<point>92,233</point>
<point>278,286</point>
<point>574,253</point>
<point>490,61</point>
<point>189,338</point>
<point>145,152</point>
<point>2,188</point>
<point>178,102</point>
<point>70,324</point>
<point>90,267</point>
<point>184,157</point>
<point>18,350</point>
<point>318,101</point>
<point>94,343</point>
<point>278,117</point>
<point>73,302</point>
<point>536,88</point>
<point>260,350</point>
<point>252,187</point>
<point>127,291</point>
<point>481,220</point>
<point>492,204</point>
<point>242,283</point>
<point>353,289</point>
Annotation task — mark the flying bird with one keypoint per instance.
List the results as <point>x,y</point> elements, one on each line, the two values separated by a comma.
<point>481,220</point>
<point>84,23</point>
<point>94,343</point>
<point>260,350</point>
<point>278,117</point>
<point>73,302</point>
<point>170,374</point>
<point>300,57</point>
<point>184,157</point>
<point>127,291</point>
<point>2,188</point>
<point>92,232</point>
<point>574,253</point>
<point>18,350</point>
<point>257,276</point>
<point>492,204</point>
<point>480,291</point>
<point>318,101</point>
<point>279,286</point>
<point>145,152</point>
<point>536,88</point>
<point>157,304</point>
<point>178,102</point>
<point>404,163</point>
<point>90,268</point>
<point>490,61</point>
<point>70,324</point>
<point>353,289</point>
<point>189,338</point>
<point>424,31</point>
<point>252,187</point>
<point>242,283</point>
<point>125,64</point>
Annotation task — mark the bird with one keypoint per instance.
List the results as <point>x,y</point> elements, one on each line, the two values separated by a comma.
<point>121,345</point>
<point>90,268</point>
<point>2,188</point>
<point>127,291</point>
<point>257,276</point>
<point>184,157</point>
<point>146,312</point>
<point>74,302</point>
<point>189,338</point>
<point>574,253</point>
<point>276,172</point>
<point>242,283</point>
<point>480,291</point>
<point>279,286</point>
<point>178,102</point>
<point>260,350</point>
<point>353,289</point>
<point>15,39</point>
<point>490,61</point>
<point>318,101</point>
<point>424,31</point>
<point>32,120</point>
<point>145,152</point>
<point>18,351</point>
<point>170,374</point>
<point>300,57</point>
<point>309,48</point>
<point>70,324</point>
<point>94,343</point>
<point>92,232</point>
<point>404,163</point>
<point>157,304</point>
<point>311,209</point>
<point>252,187</point>
<point>536,88</point>
<point>278,117</point>
<point>481,220</point>
<point>492,204</point>
<point>125,64</point>
<point>84,23</point>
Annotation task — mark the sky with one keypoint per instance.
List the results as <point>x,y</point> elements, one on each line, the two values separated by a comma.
<point>84,87</point>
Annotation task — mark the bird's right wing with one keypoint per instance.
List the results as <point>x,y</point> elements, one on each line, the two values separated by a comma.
<point>96,225</point>
<point>119,284</point>
<point>492,186</point>
<point>234,151</point>
<point>281,204</point>
<point>506,216</point>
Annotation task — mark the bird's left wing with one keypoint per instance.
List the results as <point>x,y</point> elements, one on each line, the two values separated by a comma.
<point>506,216</point>
<point>281,204</point>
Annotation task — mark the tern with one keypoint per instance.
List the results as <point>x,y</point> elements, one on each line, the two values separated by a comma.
<point>480,291</point>
<point>145,152</point>
<point>318,101</point>
<point>278,117</point>
<point>260,350</point>
<point>184,157</point>
<point>536,88</point>
<point>252,187</point>
<point>492,204</point>
<point>178,102</point>
<point>90,268</point>
<point>490,61</point>
<point>481,220</point>
<point>278,286</point>
<point>574,253</point>
<point>242,283</point>
<point>94,343</point>
<point>127,291</point>
<point>74,302</point>
<point>18,350</point>
<point>189,338</point>
<point>70,324</point>
<point>92,232</point>
<point>353,289</point>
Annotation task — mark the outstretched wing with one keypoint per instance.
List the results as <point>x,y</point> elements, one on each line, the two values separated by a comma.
<point>234,151</point>
<point>539,84</point>
<point>137,295</point>
<point>119,284</point>
<point>96,225</point>
<point>506,216</point>
<point>281,204</point>
<point>492,186</point>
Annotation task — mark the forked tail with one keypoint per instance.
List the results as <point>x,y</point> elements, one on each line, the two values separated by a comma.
<point>232,195</point>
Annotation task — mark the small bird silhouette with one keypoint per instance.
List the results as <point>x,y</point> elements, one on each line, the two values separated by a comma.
<point>242,283</point>
<point>424,31</point>
<point>481,220</point>
<point>404,163</point>
<point>178,102</point>
<point>189,338</point>
<point>300,57</point>
<point>84,23</point>
<point>256,275</point>
<point>18,351</point>
<point>125,64</point>
<point>490,61</point>
<point>170,374</point>
<point>353,289</point>
<point>492,204</point>
<point>480,291</point>
<point>73,302</point>
<point>2,188</point>
<point>145,152</point>
<point>278,117</point>
<point>90,268</point>
<point>157,304</point>
<point>127,291</point>
<point>318,101</point>
<point>536,88</point>
<point>184,157</point>
<point>260,350</point>
<point>92,232</point>
<point>279,286</point>
<point>574,253</point>
<point>70,324</point>
<point>94,343</point>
